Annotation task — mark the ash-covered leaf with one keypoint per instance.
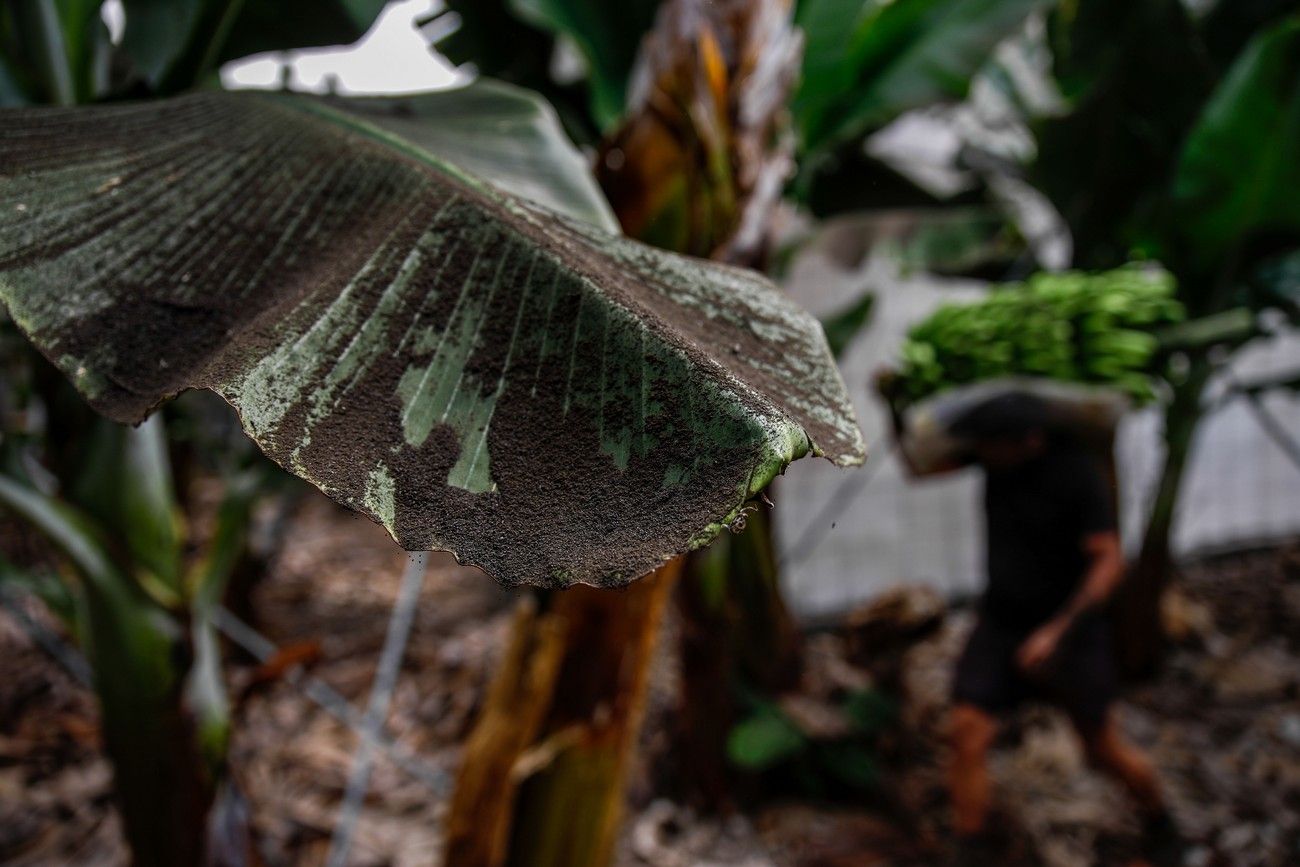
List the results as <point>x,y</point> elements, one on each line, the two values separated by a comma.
<point>552,402</point>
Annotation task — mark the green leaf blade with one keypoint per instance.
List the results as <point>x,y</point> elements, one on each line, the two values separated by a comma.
<point>174,44</point>
<point>288,24</point>
<point>125,485</point>
<point>1239,173</point>
<point>764,740</point>
<point>1135,76</point>
<point>607,34</point>
<point>499,132</point>
<point>549,401</point>
<point>868,61</point>
<point>70,532</point>
<point>842,326</point>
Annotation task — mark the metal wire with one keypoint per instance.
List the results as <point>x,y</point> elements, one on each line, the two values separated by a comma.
<point>381,694</point>
<point>68,657</point>
<point>1274,428</point>
<point>262,649</point>
<point>324,696</point>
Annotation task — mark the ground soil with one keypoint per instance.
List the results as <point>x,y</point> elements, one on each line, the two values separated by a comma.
<point>1222,721</point>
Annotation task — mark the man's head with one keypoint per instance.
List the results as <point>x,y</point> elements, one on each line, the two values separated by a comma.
<point>1006,430</point>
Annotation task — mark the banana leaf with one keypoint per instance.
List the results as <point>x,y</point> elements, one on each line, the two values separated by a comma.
<point>608,36</point>
<point>12,93</point>
<point>478,373</point>
<point>33,40</point>
<point>175,43</point>
<point>842,326</point>
<point>124,483</point>
<point>490,39</point>
<point>526,154</point>
<point>285,24</point>
<point>868,61</point>
<point>1235,187</point>
<point>1228,25</point>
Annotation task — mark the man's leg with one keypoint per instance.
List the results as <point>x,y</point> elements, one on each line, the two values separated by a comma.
<point>1110,751</point>
<point>973,731</point>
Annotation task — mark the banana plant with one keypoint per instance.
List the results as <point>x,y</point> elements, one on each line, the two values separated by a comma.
<point>1231,228</point>
<point>140,608</point>
<point>444,353</point>
<point>475,363</point>
<point>105,502</point>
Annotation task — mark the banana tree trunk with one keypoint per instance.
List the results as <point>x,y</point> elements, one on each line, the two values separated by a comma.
<point>140,652</point>
<point>543,778</point>
<point>737,633</point>
<point>1141,638</point>
<point>162,797</point>
<point>478,832</point>
<point>769,645</point>
<point>162,784</point>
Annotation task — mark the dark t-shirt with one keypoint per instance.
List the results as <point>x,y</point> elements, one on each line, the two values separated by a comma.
<point>1039,514</point>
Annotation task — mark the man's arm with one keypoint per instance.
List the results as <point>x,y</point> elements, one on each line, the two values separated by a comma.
<point>1104,575</point>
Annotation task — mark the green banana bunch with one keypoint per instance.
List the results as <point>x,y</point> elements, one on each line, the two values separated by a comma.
<point>1073,326</point>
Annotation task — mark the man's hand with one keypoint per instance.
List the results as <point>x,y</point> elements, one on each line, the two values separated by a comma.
<point>886,380</point>
<point>1039,648</point>
<point>1103,576</point>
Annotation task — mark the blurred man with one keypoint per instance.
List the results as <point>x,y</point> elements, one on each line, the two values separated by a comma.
<point>1054,560</point>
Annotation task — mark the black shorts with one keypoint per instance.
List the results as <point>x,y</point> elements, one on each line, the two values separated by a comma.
<point>1080,679</point>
